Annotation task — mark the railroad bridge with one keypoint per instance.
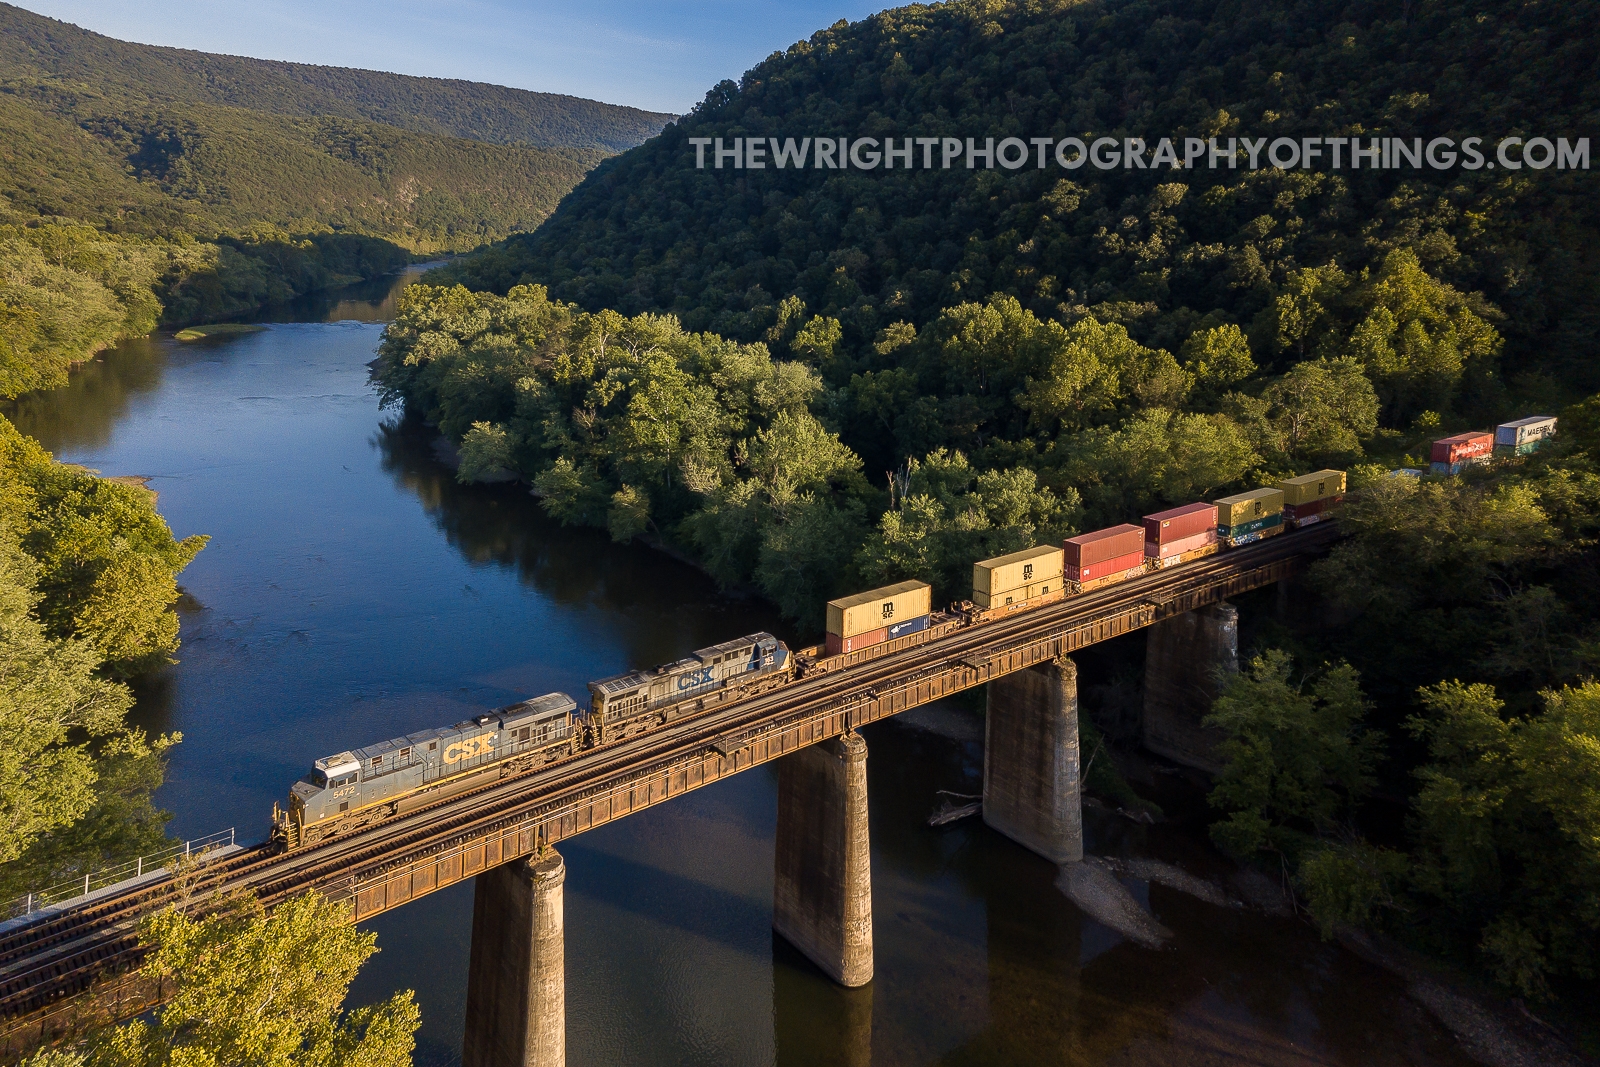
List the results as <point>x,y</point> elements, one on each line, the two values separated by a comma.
<point>80,967</point>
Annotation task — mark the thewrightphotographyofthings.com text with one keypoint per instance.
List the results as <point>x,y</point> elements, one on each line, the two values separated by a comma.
<point>1130,153</point>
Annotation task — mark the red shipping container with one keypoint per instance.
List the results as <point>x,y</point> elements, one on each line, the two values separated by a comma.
<point>1463,446</point>
<point>836,645</point>
<point>1088,549</point>
<point>1178,523</point>
<point>1316,507</point>
<point>1179,547</point>
<point>1100,568</point>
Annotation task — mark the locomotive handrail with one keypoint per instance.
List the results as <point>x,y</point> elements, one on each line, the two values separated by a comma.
<point>28,903</point>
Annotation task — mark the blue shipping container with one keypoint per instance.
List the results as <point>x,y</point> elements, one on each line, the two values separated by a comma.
<point>906,627</point>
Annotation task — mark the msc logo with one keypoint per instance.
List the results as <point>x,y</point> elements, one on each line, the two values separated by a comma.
<point>456,751</point>
<point>1027,572</point>
<point>695,679</point>
<point>888,609</point>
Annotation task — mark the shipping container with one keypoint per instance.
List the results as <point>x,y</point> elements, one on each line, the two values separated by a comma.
<point>1459,465</point>
<point>1240,529</point>
<point>1100,545</point>
<point>1251,531</point>
<point>1104,574</point>
<point>1298,515</point>
<point>1530,432</point>
<point>1005,573</point>
<point>1171,556</point>
<point>864,612</point>
<point>1179,523</point>
<point>836,645</point>
<point>1100,568</point>
<point>1318,485</point>
<point>1205,537</point>
<point>1405,472</point>
<point>1461,447</point>
<point>1247,507</point>
<point>906,627</point>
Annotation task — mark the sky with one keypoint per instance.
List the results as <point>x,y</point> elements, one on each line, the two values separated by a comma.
<point>661,55</point>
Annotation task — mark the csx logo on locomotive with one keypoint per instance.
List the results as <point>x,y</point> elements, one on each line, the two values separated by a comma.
<point>695,679</point>
<point>482,745</point>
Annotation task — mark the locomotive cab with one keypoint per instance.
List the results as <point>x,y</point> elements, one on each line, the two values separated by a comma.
<point>333,786</point>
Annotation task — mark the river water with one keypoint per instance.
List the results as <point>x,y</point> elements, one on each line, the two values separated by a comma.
<point>352,591</point>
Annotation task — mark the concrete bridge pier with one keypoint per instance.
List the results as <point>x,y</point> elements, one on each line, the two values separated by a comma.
<point>1187,661</point>
<point>516,982</point>
<point>822,892</point>
<point>1031,791</point>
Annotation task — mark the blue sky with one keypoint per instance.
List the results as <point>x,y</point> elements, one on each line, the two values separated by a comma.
<point>657,54</point>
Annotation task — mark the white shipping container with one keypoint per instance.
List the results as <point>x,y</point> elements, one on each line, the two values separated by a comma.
<point>1524,431</point>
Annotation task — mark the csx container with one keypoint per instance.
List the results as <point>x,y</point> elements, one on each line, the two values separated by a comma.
<point>875,609</point>
<point>1452,454</point>
<point>1524,435</point>
<point>1103,553</point>
<point>1308,498</point>
<point>1246,517</point>
<point>1007,579</point>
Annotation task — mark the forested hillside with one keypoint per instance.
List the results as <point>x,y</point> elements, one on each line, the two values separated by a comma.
<point>143,185</point>
<point>819,380</point>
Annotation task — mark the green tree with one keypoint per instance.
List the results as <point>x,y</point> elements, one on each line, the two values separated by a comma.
<point>1323,408</point>
<point>1218,358</point>
<point>253,988</point>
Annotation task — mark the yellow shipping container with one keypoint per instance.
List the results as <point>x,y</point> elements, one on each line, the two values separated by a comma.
<point>1002,574</point>
<point>1310,488</point>
<point>852,615</point>
<point>1017,595</point>
<point>1241,508</point>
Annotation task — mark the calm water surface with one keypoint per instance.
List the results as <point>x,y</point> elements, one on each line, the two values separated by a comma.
<point>353,592</point>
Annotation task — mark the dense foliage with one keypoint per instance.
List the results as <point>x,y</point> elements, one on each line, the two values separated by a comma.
<point>1162,251</point>
<point>87,585</point>
<point>259,989</point>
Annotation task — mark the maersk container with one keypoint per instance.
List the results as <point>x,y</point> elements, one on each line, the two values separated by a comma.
<point>1106,567</point>
<point>1309,488</point>
<point>835,645</point>
<point>1178,523</point>
<point>1462,448</point>
<point>1012,571</point>
<point>905,627</point>
<point>1100,545</point>
<point>1522,436</point>
<point>876,608</point>
<point>1247,507</point>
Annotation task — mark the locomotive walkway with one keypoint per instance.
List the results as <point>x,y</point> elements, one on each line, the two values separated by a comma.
<point>81,966</point>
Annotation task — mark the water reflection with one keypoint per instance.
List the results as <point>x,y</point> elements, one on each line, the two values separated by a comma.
<point>354,591</point>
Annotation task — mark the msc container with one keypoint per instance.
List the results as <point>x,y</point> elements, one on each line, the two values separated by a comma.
<point>905,627</point>
<point>1241,508</point>
<point>1524,435</point>
<point>1309,488</point>
<point>836,645</point>
<point>1462,447</point>
<point>1015,570</point>
<point>1178,523</point>
<point>1100,545</point>
<point>876,608</point>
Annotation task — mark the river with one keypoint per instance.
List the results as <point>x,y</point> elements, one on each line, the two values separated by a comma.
<point>352,591</point>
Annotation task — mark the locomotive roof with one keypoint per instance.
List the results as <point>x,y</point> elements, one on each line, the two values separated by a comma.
<point>537,708</point>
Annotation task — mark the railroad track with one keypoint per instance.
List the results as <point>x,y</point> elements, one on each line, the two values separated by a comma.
<point>63,954</point>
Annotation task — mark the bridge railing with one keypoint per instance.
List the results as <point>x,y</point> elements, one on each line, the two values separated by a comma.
<point>28,903</point>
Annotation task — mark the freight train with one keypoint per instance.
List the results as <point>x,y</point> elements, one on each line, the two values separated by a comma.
<point>354,790</point>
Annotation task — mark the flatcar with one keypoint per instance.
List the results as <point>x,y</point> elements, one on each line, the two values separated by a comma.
<point>634,702</point>
<point>356,789</point>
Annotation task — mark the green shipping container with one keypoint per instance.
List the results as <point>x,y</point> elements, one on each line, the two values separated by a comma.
<point>1250,527</point>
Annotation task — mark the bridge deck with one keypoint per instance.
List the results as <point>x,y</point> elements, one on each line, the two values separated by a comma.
<point>82,967</point>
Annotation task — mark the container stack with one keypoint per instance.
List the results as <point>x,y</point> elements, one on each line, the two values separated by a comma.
<point>1452,455</point>
<point>1017,577</point>
<point>1104,556</point>
<point>878,615</point>
<point>1523,436</point>
<point>1246,517</point>
<point>1310,497</point>
<point>1180,534</point>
